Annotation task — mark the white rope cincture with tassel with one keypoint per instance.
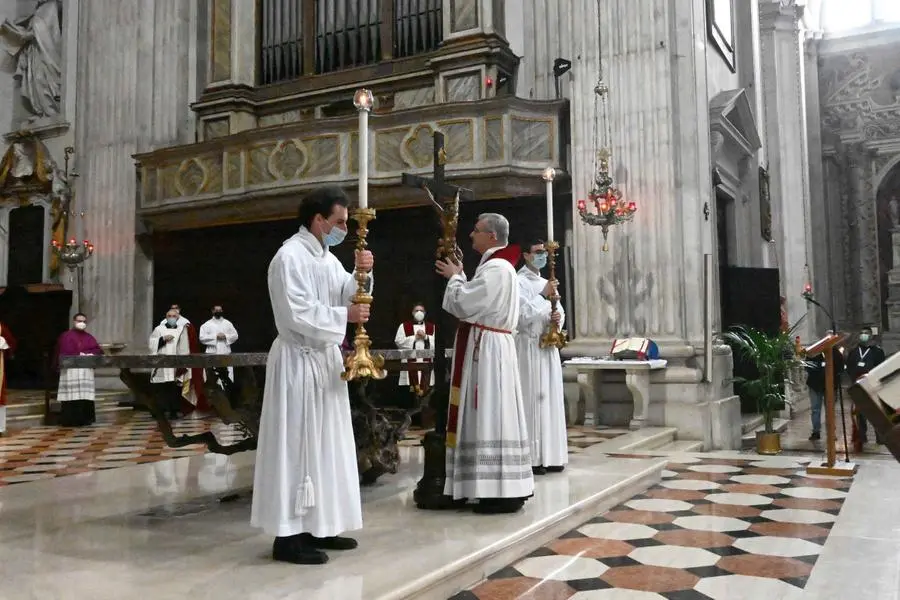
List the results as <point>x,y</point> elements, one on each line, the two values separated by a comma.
<point>306,497</point>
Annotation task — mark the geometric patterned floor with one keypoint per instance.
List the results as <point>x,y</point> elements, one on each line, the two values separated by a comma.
<point>725,529</point>
<point>131,438</point>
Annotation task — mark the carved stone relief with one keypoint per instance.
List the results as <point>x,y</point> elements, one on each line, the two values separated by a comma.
<point>36,44</point>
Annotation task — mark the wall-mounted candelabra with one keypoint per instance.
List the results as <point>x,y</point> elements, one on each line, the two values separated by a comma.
<point>606,200</point>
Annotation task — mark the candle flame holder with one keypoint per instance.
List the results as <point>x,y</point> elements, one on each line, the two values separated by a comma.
<point>607,201</point>
<point>73,254</point>
<point>554,337</point>
<point>361,364</point>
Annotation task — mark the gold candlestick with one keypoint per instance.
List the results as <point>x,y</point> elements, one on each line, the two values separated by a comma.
<point>359,364</point>
<point>555,337</point>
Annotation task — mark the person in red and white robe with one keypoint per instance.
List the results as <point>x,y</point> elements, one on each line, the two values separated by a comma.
<point>7,348</point>
<point>488,452</point>
<point>417,334</point>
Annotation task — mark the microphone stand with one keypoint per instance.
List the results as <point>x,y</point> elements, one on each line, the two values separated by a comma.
<point>809,298</point>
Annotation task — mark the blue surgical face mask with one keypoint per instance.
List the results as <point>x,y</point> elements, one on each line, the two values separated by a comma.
<point>539,261</point>
<point>172,322</point>
<point>864,337</point>
<point>335,236</point>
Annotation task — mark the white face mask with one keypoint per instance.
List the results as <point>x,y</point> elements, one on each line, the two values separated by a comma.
<point>81,325</point>
<point>419,315</point>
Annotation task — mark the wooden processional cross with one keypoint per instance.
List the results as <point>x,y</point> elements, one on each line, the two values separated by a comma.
<point>443,196</point>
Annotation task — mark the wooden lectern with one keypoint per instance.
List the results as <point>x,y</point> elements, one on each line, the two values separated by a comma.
<point>831,466</point>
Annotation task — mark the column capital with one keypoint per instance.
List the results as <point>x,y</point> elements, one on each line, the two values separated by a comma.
<point>781,15</point>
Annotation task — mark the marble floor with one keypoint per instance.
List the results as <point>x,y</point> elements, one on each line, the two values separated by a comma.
<point>45,452</point>
<point>161,530</point>
<point>132,438</point>
<point>714,528</point>
<point>796,436</point>
<point>640,526</point>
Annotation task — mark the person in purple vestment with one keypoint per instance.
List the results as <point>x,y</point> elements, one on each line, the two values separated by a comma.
<point>76,386</point>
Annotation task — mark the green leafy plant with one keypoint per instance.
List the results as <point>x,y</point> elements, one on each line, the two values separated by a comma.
<point>773,358</point>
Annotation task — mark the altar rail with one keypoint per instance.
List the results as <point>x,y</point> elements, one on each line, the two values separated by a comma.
<point>203,361</point>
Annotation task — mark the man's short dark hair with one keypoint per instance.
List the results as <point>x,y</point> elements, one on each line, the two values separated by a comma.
<point>80,314</point>
<point>530,243</point>
<point>321,201</point>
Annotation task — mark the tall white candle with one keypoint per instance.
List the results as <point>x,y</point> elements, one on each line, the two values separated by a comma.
<point>549,174</point>
<point>363,101</point>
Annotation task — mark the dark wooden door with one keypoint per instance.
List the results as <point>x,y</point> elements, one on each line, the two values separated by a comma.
<point>26,245</point>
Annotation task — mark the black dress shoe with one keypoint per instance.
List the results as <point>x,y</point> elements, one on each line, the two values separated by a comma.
<point>292,550</point>
<point>558,469</point>
<point>539,470</point>
<point>498,506</point>
<point>814,436</point>
<point>328,543</point>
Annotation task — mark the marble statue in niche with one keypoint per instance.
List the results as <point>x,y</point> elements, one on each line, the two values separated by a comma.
<point>895,212</point>
<point>36,44</point>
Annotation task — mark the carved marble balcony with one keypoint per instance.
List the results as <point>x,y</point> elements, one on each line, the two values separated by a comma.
<point>497,148</point>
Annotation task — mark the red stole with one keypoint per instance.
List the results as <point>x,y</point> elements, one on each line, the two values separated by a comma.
<point>6,334</point>
<point>511,254</point>
<point>408,328</point>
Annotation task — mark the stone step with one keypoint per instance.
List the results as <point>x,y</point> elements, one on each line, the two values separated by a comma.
<point>648,438</point>
<point>751,423</point>
<point>679,446</point>
<point>748,440</point>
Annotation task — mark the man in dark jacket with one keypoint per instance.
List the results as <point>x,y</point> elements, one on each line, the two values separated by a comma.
<point>815,381</point>
<point>862,359</point>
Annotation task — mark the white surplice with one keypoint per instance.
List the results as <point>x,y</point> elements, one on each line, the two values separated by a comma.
<point>541,371</point>
<point>179,344</point>
<point>208,336</point>
<point>491,458</point>
<point>306,478</point>
<point>409,342</point>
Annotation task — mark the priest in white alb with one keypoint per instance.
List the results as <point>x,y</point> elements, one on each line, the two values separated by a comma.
<point>488,456</point>
<point>540,368</point>
<point>306,483</point>
<point>218,334</point>
<point>171,338</point>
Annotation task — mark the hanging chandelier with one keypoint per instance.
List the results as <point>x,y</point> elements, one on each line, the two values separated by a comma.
<point>606,200</point>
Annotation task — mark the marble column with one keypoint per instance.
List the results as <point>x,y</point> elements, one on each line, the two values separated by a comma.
<point>651,281</point>
<point>132,97</point>
<point>825,246</point>
<point>785,123</point>
<point>865,219</point>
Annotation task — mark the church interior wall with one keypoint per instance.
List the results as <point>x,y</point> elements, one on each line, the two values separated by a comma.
<point>859,100</point>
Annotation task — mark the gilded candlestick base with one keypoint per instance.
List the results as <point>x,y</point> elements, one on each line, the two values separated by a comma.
<point>360,364</point>
<point>554,337</point>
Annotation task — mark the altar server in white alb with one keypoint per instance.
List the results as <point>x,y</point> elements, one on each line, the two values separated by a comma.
<point>540,368</point>
<point>306,483</point>
<point>488,456</point>
<point>218,334</point>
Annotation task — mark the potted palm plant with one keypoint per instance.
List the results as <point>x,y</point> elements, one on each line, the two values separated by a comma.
<point>773,358</point>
